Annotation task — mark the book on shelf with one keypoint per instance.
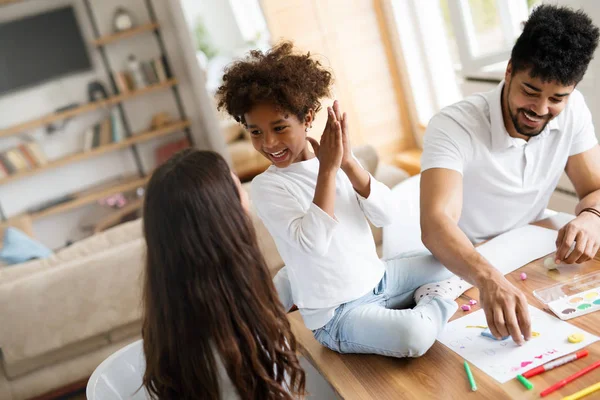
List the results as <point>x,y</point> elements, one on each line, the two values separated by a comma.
<point>3,171</point>
<point>88,139</point>
<point>35,150</point>
<point>166,151</point>
<point>149,72</point>
<point>10,168</point>
<point>161,71</point>
<point>28,156</point>
<point>121,81</point>
<point>19,161</point>
<point>116,125</point>
<point>105,132</point>
<point>96,136</point>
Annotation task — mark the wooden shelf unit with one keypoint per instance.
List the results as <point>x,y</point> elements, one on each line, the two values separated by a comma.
<point>136,138</point>
<point>104,40</point>
<point>92,196</point>
<point>49,118</point>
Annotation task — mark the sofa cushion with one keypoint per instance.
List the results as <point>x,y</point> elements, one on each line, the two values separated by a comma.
<point>21,367</point>
<point>367,157</point>
<point>81,299</point>
<point>116,236</point>
<point>55,376</point>
<point>9,274</point>
<point>125,331</point>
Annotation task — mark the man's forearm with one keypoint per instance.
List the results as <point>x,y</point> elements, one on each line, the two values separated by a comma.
<point>591,200</point>
<point>451,246</point>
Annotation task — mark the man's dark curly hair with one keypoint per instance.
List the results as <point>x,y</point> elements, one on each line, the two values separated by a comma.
<point>557,43</point>
<point>292,82</point>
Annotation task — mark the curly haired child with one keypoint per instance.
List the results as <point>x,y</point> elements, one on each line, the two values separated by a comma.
<point>316,208</point>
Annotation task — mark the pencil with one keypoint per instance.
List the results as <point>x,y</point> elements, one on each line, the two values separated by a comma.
<point>470,376</point>
<point>584,392</point>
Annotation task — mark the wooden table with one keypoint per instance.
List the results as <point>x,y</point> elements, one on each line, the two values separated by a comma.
<point>439,374</point>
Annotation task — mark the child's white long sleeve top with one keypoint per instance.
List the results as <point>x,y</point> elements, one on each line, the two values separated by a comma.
<point>329,261</point>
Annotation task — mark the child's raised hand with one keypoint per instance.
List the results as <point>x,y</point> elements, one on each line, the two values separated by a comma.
<point>342,118</point>
<point>330,150</point>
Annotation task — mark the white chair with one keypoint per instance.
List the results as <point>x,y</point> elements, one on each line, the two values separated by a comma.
<point>403,235</point>
<point>119,376</point>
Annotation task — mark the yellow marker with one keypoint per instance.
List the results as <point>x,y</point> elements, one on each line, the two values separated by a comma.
<point>477,326</point>
<point>575,338</point>
<point>584,392</point>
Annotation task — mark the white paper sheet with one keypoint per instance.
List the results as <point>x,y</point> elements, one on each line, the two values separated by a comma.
<point>503,360</point>
<point>519,247</point>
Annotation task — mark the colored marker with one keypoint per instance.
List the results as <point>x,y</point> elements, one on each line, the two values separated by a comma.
<point>571,378</point>
<point>582,393</point>
<point>470,377</point>
<point>556,363</point>
<point>525,382</point>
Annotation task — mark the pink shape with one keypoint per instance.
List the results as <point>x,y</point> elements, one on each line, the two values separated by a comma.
<point>539,356</point>
<point>472,302</point>
<point>466,307</point>
<point>523,276</point>
<point>525,363</point>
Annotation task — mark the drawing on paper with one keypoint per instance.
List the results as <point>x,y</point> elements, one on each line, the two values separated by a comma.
<point>503,360</point>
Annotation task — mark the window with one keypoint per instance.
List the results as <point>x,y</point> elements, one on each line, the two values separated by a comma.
<point>485,30</point>
<point>419,30</point>
<point>443,42</point>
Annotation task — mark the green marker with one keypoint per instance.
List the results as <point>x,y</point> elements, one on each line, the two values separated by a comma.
<point>470,376</point>
<point>525,382</point>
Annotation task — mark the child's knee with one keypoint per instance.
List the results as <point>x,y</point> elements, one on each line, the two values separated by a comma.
<point>418,337</point>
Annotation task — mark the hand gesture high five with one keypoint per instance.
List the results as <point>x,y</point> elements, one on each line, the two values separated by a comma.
<point>330,150</point>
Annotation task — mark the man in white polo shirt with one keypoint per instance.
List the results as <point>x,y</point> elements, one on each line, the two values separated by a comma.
<point>491,162</point>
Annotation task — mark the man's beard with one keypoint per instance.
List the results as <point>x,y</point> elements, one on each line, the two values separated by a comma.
<point>522,129</point>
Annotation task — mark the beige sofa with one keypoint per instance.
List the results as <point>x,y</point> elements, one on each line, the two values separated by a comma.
<point>62,316</point>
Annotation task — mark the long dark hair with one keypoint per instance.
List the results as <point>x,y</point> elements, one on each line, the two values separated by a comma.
<point>208,292</point>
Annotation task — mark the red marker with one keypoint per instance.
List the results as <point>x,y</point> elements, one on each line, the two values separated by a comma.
<point>570,378</point>
<point>556,363</point>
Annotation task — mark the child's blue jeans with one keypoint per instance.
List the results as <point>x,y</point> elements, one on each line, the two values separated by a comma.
<point>380,322</point>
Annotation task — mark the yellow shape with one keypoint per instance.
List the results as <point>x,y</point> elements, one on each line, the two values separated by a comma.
<point>535,334</point>
<point>575,338</point>
<point>477,326</point>
<point>591,295</point>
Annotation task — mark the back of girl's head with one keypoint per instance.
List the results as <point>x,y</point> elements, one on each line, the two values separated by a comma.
<point>207,291</point>
<point>291,81</point>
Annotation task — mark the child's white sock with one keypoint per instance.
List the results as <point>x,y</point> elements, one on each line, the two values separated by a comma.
<point>449,288</point>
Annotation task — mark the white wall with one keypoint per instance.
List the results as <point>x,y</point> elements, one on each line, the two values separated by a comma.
<point>17,196</point>
<point>219,20</point>
<point>589,86</point>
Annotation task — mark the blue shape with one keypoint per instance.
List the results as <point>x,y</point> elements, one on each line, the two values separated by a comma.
<point>18,247</point>
<point>487,333</point>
